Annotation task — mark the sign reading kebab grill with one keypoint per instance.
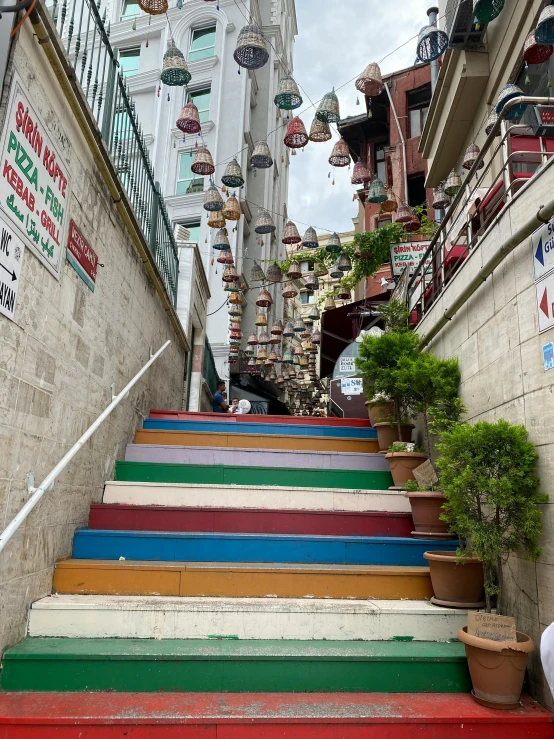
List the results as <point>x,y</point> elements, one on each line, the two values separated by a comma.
<point>34,187</point>
<point>408,255</point>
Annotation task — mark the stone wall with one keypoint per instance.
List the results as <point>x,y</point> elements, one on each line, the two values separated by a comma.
<point>60,356</point>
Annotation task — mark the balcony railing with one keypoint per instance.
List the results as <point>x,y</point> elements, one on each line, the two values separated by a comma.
<point>476,207</point>
<point>85,37</point>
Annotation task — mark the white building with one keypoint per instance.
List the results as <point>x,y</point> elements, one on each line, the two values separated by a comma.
<point>236,110</point>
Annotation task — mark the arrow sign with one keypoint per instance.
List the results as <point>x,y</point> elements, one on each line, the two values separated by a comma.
<point>542,244</point>
<point>543,305</point>
<point>545,302</point>
<point>538,254</point>
<point>10,272</point>
<point>11,255</point>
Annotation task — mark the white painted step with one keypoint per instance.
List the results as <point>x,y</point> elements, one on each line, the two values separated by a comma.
<point>244,496</point>
<point>156,617</point>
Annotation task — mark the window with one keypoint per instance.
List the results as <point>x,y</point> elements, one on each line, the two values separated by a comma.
<point>194,229</point>
<point>380,164</point>
<point>418,108</point>
<point>201,98</point>
<point>129,61</point>
<point>417,194</point>
<point>381,222</point>
<point>307,266</point>
<point>129,9</point>
<point>187,181</point>
<point>307,298</point>
<point>418,116</point>
<point>202,44</point>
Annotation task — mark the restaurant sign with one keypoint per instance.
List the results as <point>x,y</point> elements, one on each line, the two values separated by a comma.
<point>408,255</point>
<point>81,256</point>
<point>34,187</point>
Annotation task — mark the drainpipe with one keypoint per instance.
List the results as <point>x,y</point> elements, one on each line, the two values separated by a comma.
<point>402,142</point>
<point>433,16</point>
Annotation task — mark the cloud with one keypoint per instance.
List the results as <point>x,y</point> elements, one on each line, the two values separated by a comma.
<point>335,42</point>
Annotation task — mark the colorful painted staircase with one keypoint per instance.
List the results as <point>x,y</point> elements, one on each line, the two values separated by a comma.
<point>235,571</point>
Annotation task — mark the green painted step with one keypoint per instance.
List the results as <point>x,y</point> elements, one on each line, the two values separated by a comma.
<point>199,665</point>
<point>218,474</point>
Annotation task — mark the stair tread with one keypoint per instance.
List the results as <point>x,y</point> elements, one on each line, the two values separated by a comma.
<point>273,429</point>
<point>226,509</point>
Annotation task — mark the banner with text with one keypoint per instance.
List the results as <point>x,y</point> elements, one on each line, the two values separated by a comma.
<point>408,256</point>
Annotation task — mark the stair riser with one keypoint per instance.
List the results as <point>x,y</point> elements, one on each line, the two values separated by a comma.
<point>257,418</point>
<point>267,429</point>
<point>255,457</point>
<point>251,522</point>
<point>242,497</point>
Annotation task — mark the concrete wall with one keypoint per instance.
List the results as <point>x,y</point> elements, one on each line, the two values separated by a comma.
<point>60,356</point>
<point>495,337</point>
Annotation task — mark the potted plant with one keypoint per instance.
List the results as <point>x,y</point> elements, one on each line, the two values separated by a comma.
<point>426,503</point>
<point>379,409</point>
<point>492,493</point>
<point>403,458</point>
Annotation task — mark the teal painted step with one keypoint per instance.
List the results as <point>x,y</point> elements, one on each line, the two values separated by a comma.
<point>288,429</point>
<point>230,475</point>
<point>198,665</point>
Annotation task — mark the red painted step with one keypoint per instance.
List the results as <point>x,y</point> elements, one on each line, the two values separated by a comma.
<point>253,418</point>
<point>121,517</point>
<point>264,716</point>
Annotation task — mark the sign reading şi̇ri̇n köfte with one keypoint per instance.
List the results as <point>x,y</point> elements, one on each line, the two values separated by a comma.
<point>34,187</point>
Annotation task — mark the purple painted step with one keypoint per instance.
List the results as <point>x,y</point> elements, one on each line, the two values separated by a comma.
<point>259,458</point>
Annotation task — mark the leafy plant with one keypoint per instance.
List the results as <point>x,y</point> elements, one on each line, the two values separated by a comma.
<point>405,446</point>
<point>492,491</point>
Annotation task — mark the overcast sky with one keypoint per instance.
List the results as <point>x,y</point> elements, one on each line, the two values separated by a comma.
<point>335,42</point>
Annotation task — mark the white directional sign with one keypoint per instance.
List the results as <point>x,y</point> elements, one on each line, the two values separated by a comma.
<point>545,302</point>
<point>542,241</point>
<point>11,259</point>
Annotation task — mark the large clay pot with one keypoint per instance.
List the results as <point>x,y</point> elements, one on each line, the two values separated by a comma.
<point>497,668</point>
<point>387,434</point>
<point>456,585</point>
<point>426,512</point>
<point>380,411</point>
<point>403,464</point>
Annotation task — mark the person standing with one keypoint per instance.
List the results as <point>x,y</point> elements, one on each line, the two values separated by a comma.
<point>235,407</point>
<point>219,405</point>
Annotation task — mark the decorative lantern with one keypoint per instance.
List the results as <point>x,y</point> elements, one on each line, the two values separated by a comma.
<point>298,351</point>
<point>316,337</point>
<point>261,156</point>
<point>340,156</point>
<point>251,51</point>
<point>333,245</point>
<point>235,298</point>
<point>174,68</point>
<point>288,331</point>
<point>262,352</point>
<point>360,173</point>
<point>329,303</point>
<point>261,319</point>
<point>299,375</point>
<point>216,219</point>
<point>306,333</point>
<point>377,192</point>
<point>335,273</point>
<point>153,7</point>
<point>390,204</point>
<point>314,313</point>
<point>264,223</point>
<point>277,328</point>
<point>440,198</point>
<point>287,357</point>
<point>288,96</point>
<point>509,92</point>
<point>485,11</point>
<point>320,131</point>
<point>256,273</point>
<point>280,380</point>
<point>264,299</point>
<point>231,209</point>
<point>274,339</point>
<point>221,240</point>
<point>431,43</point>
<point>203,163</point>
<point>296,136</point>
<point>229,274</point>
<point>299,326</point>
<point>290,234</point>
<point>308,347</point>
<point>535,53</point>
<point>294,271</point>
<point>343,293</point>
<point>311,282</point>
<point>225,257</point>
<point>328,109</point>
<point>370,82</point>
<point>233,287</point>
<point>544,32</point>
<point>273,357</point>
<point>310,240</point>
<point>414,224</point>
<point>289,291</point>
<point>235,310</point>
<point>308,321</point>
<point>233,175</point>
<point>274,273</point>
<point>212,199</point>
<point>344,263</point>
<point>452,184</point>
<point>189,120</point>
<point>320,270</point>
<point>471,156</point>
<point>491,121</point>
<point>263,338</point>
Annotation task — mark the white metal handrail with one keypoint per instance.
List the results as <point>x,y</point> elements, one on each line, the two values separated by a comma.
<point>48,481</point>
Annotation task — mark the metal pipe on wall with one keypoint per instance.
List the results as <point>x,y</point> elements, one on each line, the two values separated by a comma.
<point>402,142</point>
<point>432,14</point>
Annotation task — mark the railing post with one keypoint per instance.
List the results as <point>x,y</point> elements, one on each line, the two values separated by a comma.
<point>108,116</point>
<point>154,217</point>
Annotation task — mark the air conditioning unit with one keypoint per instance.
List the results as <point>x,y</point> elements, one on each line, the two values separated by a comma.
<point>460,26</point>
<point>181,232</point>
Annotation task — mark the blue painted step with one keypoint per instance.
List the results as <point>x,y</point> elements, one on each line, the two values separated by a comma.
<point>266,429</point>
<point>274,548</point>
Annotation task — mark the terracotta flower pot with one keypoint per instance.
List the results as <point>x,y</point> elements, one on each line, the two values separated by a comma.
<point>456,585</point>
<point>380,411</point>
<point>402,465</point>
<point>497,668</point>
<point>387,433</point>
<point>426,512</point>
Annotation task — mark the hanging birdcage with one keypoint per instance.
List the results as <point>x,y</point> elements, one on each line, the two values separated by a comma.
<point>344,263</point>
<point>232,176</point>
<point>335,273</point>
<point>296,136</point>
<point>534,52</point>
<point>261,319</point>
<point>544,32</point>
<point>310,240</point>
<point>262,352</point>
<point>256,273</point>
<point>225,257</point>
<point>360,173</point>
<point>343,293</point>
<point>311,282</point>
<point>308,346</point>
<point>299,375</point>
<point>306,333</point>
<point>264,223</point>
<point>320,131</point>
<point>261,156</point>
<point>189,120</point>
<point>273,357</point>
<point>333,245</point>
<point>328,109</point>
<point>509,92</point>
<point>221,240</point>
<point>251,51</point>
<point>470,157</point>
<point>235,298</point>
<point>340,156</point>
<point>413,225</point>
<point>490,123</point>
<point>294,272</point>
<point>440,198</point>
<point>216,219</point>
<point>275,340</point>
<point>153,7</point>
<point>274,273</point>
<point>230,274</point>
<point>232,287</point>
<point>288,331</point>
<point>485,11</point>
<point>203,163</point>
<point>298,326</point>
<point>452,184</point>
<point>431,43</point>
<point>290,234</point>
<point>314,313</point>
<point>277,328</point>
<point>287,357</point>
<point>288,96</point>
<point>264,299</point>
<point>320,270</point>
<point>316,337</point>
<point>174,68</point>
<point>231,209</point>
<point>298,351</point>
<point>376,192</point>
<point>263,338</point>
<point>390,205</point>
<point>329,303</point>
<point>289,291</point>
<point>280,380</point>
<point>235,311</point>
<point>370,82</point>
<point>212,199</point>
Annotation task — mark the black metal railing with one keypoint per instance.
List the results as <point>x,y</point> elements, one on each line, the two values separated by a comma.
<point>85,36</point>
